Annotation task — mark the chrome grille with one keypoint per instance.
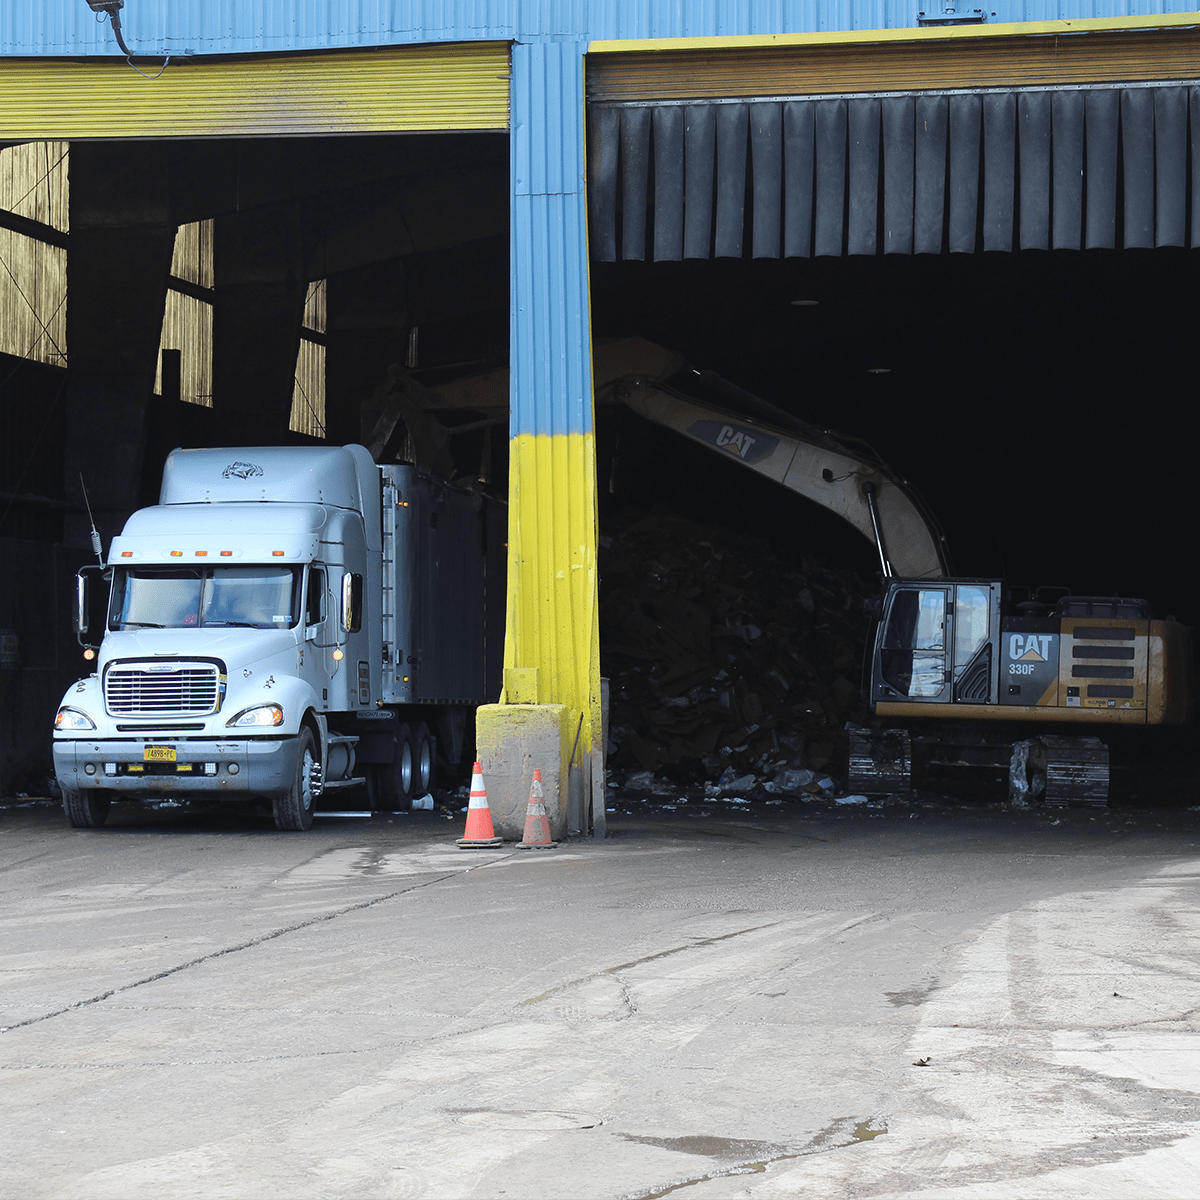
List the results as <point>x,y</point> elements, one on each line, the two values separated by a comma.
<point>183,690</point>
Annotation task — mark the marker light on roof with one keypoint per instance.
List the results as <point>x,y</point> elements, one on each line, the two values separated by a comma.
<point>201,553</point>
<point>176,553</point>
<point>226,553</point>
<point>276,553</point>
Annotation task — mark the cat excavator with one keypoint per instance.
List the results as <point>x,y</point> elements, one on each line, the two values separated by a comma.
<point>1027,682</point>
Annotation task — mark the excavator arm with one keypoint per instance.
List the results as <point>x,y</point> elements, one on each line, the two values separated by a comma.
<point>838,473</point>
<point>847,479</point>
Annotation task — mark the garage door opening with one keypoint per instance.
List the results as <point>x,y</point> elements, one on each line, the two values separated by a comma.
<point>224,291</point>
<point>1037,401</point>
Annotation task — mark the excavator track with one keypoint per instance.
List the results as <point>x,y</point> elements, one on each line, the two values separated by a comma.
<point>1050,769</point>
<point>1076,771</point>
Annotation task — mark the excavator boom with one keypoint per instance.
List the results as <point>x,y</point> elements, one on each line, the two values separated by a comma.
<point>845,477</point>
<point>864,493</point>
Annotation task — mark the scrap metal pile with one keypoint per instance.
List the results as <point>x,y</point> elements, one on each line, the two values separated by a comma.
<point>733,662</point>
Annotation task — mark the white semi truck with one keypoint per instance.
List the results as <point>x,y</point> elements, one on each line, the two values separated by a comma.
<point>286,621</point>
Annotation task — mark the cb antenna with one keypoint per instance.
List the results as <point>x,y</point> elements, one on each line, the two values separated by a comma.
<point>97,546</point>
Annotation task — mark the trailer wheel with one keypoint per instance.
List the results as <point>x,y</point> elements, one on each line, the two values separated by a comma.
<point>423,749</point>
<point>294,809</point>
<point>85,810</point>
<point>391,785</point>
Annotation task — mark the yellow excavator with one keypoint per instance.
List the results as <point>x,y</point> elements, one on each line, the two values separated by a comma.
<point>1049,671</point>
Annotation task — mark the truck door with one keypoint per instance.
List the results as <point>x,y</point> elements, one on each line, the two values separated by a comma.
<point>316,630</point>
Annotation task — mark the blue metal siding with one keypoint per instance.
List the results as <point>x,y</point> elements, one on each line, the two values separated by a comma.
<point>68,27</point>
<point>551,380</point>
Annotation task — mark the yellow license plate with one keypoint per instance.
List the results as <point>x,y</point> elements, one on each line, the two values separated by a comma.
<point>159,754</point>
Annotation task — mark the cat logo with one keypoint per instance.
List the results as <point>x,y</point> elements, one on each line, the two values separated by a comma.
<point>735,442</point>
<point>1034,647</point>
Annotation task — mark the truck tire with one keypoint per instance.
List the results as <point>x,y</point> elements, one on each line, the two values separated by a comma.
<point>294,809</point>
<point>85,810</point>
<point>391,786</point>
<point>423,759</point>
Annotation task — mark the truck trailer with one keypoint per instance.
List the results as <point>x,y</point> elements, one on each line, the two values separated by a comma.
<point>285,622</point>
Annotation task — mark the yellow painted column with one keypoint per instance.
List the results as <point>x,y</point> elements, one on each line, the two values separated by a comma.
<point>552,638</point>
<point>552,642</point>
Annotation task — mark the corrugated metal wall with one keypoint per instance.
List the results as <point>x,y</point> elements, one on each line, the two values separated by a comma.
<point>188,320</point>
<point>68,27</point>
<point>388,90</point>
<point>308,396</point>
<point>33,274</point>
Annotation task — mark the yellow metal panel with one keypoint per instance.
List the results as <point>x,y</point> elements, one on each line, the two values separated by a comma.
<point>1170,669</point>
<point>1006,57</point>
<point>553,622</point>
<point>1013,712</point>
<point>1104,656</point>
<point>397,90</point>
<point>908,34</point>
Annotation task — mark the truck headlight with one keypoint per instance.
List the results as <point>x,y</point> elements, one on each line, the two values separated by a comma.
<point>73,718</point>
<point>260,714</point>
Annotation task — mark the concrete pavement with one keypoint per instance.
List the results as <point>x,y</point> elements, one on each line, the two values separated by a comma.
<point>196,1006</point>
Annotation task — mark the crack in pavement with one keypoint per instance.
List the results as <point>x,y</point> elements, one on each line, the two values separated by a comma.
<point>637,962</point>
<point>247,945</point>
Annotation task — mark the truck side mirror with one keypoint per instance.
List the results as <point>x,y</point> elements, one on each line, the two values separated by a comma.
<point>352,592</point>
<point>80,619</point>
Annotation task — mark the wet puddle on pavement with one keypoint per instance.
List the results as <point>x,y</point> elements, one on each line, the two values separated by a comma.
<point>761,1155</point>
<point>914,996</point>
<point>367,862</point>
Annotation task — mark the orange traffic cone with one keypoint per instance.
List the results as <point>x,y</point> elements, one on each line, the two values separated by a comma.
<point>537,824</point>
<point>479,834</point>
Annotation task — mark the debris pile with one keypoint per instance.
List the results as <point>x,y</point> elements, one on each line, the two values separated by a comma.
<point>733,663</point>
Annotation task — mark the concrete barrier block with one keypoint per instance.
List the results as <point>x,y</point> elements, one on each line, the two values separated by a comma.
<point>511,740</point>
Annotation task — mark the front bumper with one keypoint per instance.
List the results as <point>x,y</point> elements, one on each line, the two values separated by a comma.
<point>244,767</point>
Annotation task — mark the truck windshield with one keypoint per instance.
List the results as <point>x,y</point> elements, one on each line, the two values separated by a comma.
<point>191,597</point>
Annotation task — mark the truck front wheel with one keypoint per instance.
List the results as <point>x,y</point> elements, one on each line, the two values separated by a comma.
<point>294,809</point>
<point>85,810</point>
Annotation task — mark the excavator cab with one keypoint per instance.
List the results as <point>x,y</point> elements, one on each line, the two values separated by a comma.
<point>936,642</point>
<point>945,647</point>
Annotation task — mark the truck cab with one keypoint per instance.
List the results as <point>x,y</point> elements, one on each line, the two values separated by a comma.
<point>285,621</point>
<point>235,624</point>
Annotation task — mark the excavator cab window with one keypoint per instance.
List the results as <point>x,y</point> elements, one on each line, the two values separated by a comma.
<point>937,642</point>
<point>913,653</point>
<point>971,609</point>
